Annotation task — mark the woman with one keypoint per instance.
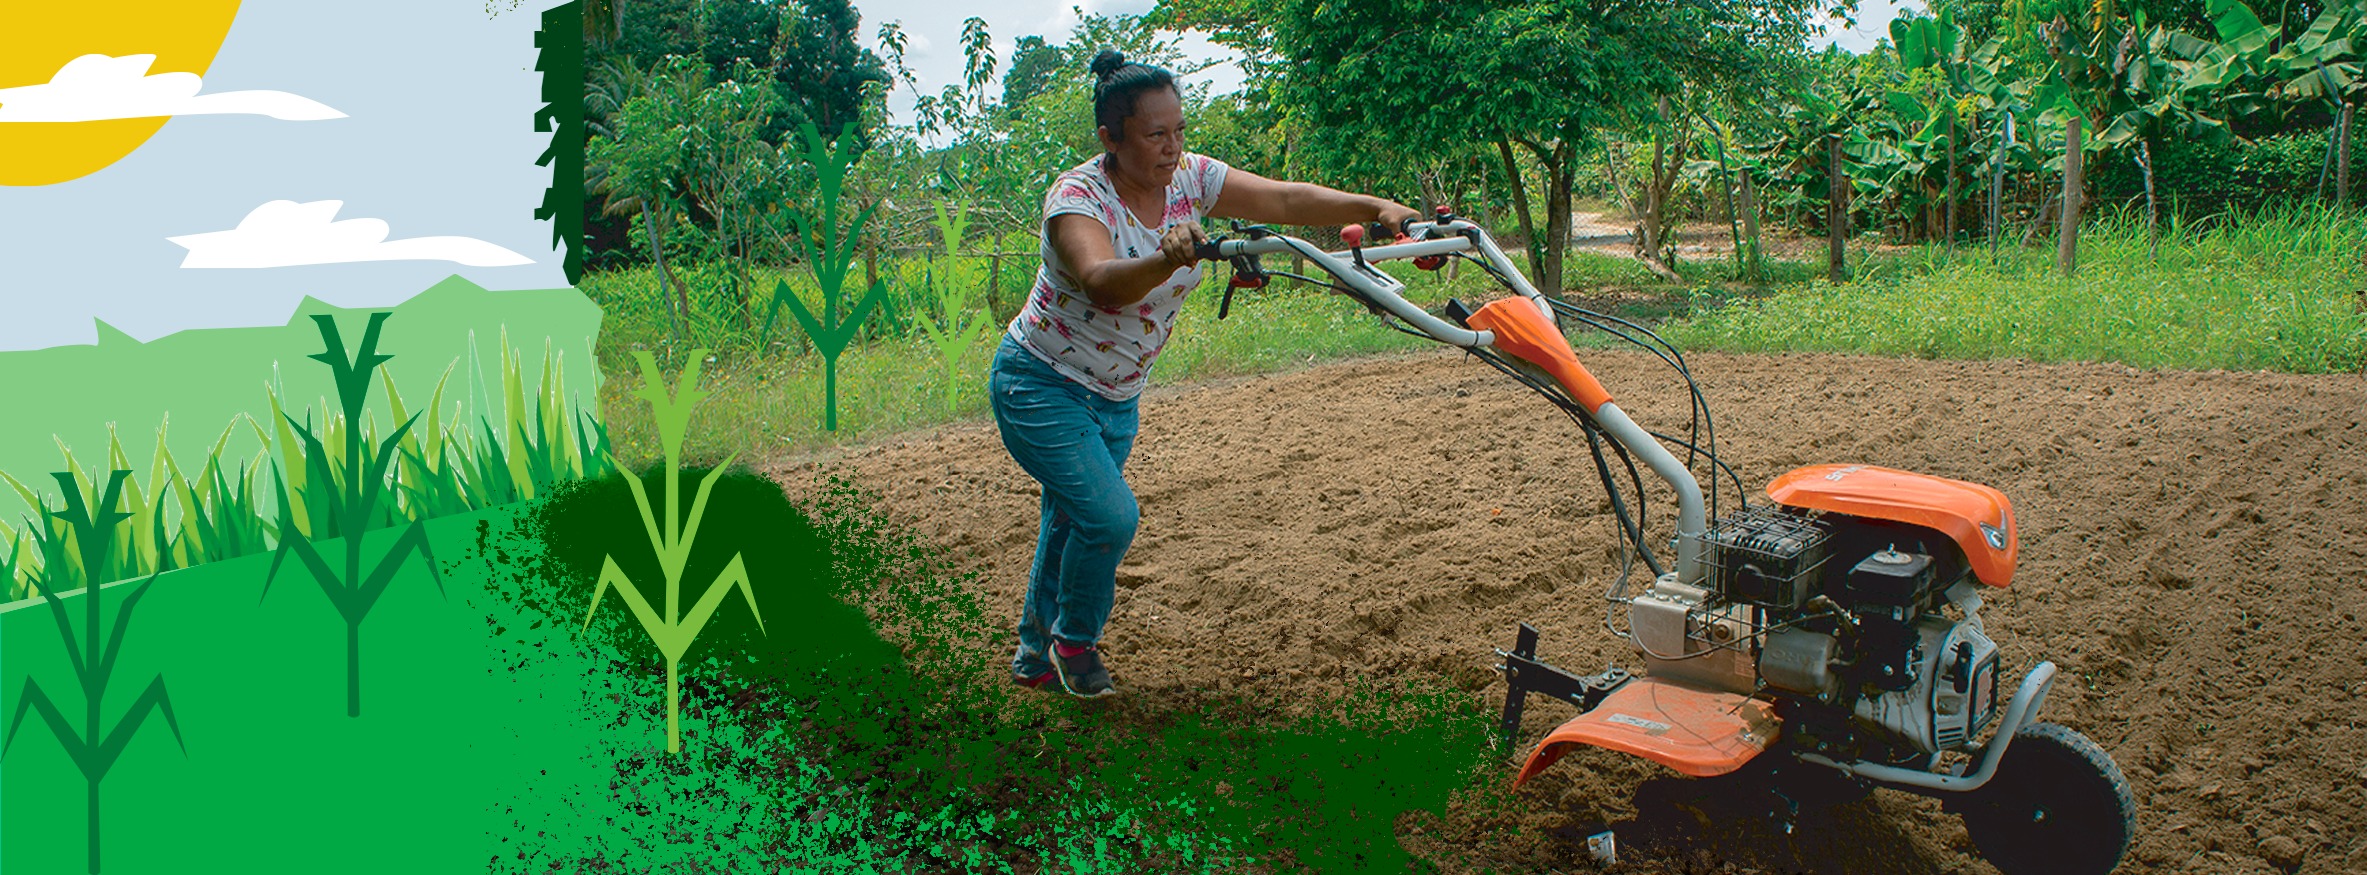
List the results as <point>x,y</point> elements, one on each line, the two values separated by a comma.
<point>1119,236</point>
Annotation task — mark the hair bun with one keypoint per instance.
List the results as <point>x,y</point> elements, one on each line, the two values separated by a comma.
<point>1106,63</point>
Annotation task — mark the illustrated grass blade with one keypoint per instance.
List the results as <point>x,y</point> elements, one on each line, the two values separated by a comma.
<point>94,658</point>
<point>673,631</point>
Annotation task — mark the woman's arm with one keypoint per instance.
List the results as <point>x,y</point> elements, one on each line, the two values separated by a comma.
<point>1249,196</point>
<point>1083,243</point>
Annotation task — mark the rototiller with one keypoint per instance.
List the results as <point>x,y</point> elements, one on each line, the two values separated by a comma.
<point>1829,639</point>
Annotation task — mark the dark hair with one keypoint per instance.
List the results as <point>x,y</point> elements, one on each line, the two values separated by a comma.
<point>1117,82</point>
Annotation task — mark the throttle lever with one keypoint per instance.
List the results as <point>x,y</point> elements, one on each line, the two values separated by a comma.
<point>1246,275</point>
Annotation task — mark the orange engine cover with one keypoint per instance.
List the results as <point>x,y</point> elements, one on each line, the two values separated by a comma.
<point>1979,518</point>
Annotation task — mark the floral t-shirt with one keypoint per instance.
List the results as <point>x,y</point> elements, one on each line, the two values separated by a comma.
<point>1110,350</point>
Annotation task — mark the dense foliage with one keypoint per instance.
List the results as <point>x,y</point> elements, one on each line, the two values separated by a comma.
<point>1517,112</point>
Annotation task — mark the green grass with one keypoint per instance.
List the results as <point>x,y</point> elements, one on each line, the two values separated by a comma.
<point>2268,291</point>
<point>2271,291</point>
<point>770,402</point>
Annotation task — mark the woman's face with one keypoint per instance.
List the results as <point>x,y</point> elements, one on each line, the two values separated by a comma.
<point>1153,140</point>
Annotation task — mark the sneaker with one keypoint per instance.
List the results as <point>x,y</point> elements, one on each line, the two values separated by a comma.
<point>1081,673</point>
<point>1036,682</point>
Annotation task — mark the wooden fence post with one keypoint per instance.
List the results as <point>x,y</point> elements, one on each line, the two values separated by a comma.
<point>1837,214</point>
<point>2067,244</point>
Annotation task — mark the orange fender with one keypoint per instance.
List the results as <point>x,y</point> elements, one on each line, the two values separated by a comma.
<point>1697,732</point>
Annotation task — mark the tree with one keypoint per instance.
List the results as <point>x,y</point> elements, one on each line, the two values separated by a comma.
<point>642,156</point>
<point>823,70</point>
<point>1544,76</point>
<point>1034,66</point>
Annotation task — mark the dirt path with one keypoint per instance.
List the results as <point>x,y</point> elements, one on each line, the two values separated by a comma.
<point>2193,554</point>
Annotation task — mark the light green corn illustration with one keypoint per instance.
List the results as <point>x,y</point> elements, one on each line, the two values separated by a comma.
<point>955,329</point>
<point>673,631</point>
<point>352,504</point>
<point>94,660</point>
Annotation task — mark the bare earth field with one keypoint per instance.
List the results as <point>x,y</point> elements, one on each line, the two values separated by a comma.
<point>2194,556</point>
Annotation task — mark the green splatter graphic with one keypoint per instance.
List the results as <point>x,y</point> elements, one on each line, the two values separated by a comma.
<point>817,742</point>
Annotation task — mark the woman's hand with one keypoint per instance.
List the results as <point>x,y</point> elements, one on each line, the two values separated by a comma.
<point>1394,216</point>
<point>1181,244</point>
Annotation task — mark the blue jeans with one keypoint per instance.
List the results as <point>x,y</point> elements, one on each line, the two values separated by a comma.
<point>1075,443</point>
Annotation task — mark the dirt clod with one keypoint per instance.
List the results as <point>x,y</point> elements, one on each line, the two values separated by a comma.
<point>2282,851</point>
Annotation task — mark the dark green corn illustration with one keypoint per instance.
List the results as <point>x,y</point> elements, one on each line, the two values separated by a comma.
<point>352,504</point>
<point>94,659</point>
<point>673,631</point>
<point>831,252</point>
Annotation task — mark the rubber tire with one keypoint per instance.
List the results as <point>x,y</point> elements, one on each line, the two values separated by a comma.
<point>2057,806</point>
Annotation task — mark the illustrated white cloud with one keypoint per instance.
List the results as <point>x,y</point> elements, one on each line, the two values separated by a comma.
<point>289,234</point>
<point>98,88</point>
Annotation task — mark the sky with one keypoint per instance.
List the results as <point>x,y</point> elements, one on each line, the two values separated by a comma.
<point>437,145</point>
<point>934,46</point>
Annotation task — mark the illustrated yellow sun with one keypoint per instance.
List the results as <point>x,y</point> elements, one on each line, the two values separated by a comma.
<point>38,38</point>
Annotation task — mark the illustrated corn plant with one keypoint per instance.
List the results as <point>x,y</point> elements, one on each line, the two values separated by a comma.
<point>830,250</point>
<point>955,328</point>
<point>673,631</point>
<point>95,748</point>
<point>351,501</point>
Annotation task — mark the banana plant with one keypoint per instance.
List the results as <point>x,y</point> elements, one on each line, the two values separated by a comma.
<point>353,501</point>
<point>95,748</point>
<point>2133,82</point>
<point>673,631</point>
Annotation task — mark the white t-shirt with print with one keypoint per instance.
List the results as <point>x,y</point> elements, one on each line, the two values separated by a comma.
<point>1110,350</point>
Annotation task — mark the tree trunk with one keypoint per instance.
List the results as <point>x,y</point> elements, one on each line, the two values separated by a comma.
<point>1520,203</point>
<point>870,279</point>
<point>1750,227</point>
<point>1836,214</point>
<point>653,224</point>
<point>2342,166</point>
<point>1949,226</point>
<point>2067,241</point>
<point>2153,213</point>
<point>1733,216</point>
<point>1996,207</point>
<point>1648,237</point>
<point>994,283</point>
<point>1562,173</point>
<point>1653,235</point>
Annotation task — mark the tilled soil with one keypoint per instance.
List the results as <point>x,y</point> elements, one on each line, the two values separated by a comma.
<point>2193,556</point>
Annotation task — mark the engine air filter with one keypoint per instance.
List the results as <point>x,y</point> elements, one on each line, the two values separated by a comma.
<point>1765,556</point>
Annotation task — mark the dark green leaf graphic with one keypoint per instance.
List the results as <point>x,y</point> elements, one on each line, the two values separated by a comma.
<point>351,504</point>
<point>94,660</point>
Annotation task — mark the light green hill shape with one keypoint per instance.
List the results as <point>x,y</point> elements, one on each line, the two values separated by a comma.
<point>204,377</point>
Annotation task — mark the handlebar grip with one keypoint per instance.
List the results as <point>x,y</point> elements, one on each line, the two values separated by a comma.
<point>1206,250</point>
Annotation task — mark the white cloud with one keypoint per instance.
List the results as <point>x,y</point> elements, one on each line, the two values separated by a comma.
<point>287,234</point>
<point>98,87</point>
